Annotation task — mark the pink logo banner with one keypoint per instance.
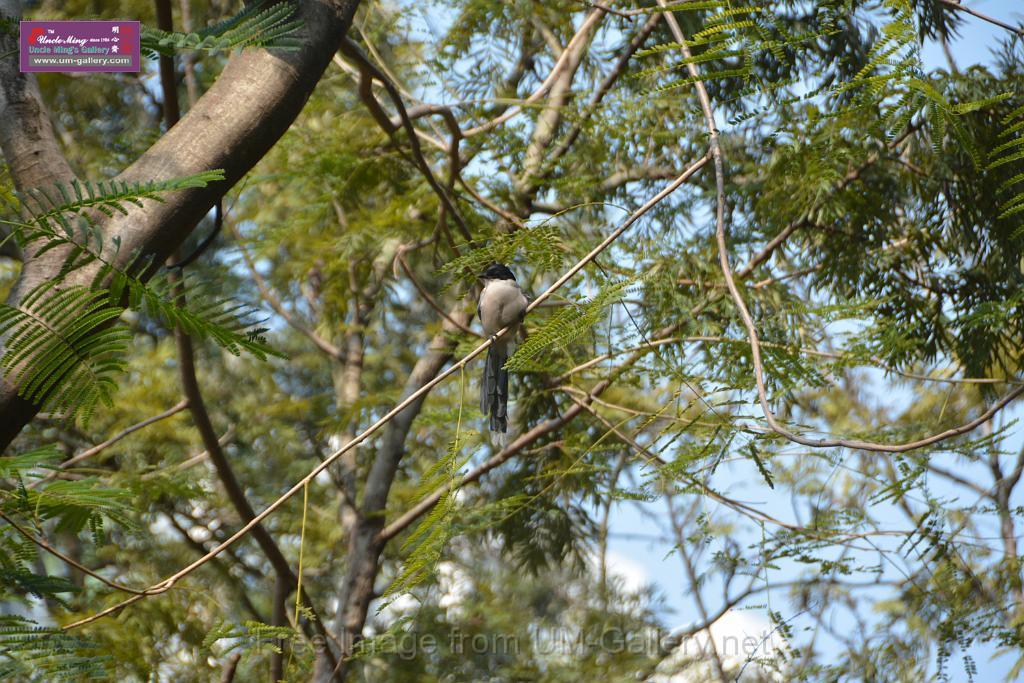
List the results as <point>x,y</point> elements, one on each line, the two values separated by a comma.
<point>105,46</point>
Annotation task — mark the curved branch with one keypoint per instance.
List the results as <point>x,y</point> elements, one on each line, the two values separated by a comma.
<point>369,72</point>
<point>236,494</point>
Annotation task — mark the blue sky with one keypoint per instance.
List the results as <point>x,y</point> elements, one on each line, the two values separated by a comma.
<point>978,37</point>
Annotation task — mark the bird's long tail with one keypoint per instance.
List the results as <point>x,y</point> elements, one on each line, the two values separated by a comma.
<point>494,389</point>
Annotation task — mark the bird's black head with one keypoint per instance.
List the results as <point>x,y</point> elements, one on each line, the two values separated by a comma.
<point>497,271</point>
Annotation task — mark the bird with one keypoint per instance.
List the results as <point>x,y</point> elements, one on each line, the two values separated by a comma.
<point>501,304</point>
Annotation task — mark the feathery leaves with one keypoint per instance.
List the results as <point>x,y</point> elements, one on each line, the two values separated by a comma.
<point>65,348</point>
<point>260,24</point>
<point>66,339</point>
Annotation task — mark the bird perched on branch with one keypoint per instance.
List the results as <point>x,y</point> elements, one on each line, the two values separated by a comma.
<point>501,304</point>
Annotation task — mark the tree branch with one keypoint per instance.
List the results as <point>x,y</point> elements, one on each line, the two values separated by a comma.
<point>99,448</point>
<point>551,114</point>
<point>35,160</point>
<point>368,72</point>
<point>984,17</point>
<point>64,558</point>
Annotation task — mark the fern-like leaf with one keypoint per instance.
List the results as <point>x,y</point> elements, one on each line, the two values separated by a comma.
<point>566,326</point>
<point>29,652</point>
<point>64,338</point>
<point>258,25</point>
<point>64,349</point>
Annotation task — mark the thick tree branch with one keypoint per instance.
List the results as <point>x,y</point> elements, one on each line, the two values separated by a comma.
<point>357,586</point>
<point>26,135</point>
<point>34,159</point>
<point>285,578</point>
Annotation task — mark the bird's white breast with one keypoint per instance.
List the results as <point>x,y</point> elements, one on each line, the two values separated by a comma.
<point>501,304</point>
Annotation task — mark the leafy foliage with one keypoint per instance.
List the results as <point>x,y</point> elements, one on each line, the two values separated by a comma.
<point>540,246</point>
<point>568,324</point>
<point>258,24</point>
<point>35,653</point>
<point>248,635</point>
<point>429,538</point>
<point>28,651</point>
<point>62,349</point>
<point>65,348</point>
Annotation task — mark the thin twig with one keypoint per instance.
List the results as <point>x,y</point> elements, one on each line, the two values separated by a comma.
<point>597,360</point>
<point>606,8</point>
<point>218,223</point>
<point>173,410</point>
<point>496,460</point>
<point>602,89</point>
<point>654,458</point>
<point>64,558</point>
<point>400,257</point>
<point>984,17</point>
<point>84,455</point>
<point>852,176</point>
<point>510,217</point>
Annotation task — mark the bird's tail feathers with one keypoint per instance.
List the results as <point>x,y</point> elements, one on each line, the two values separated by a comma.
<point>494,389</point>
<point>499,439</point>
